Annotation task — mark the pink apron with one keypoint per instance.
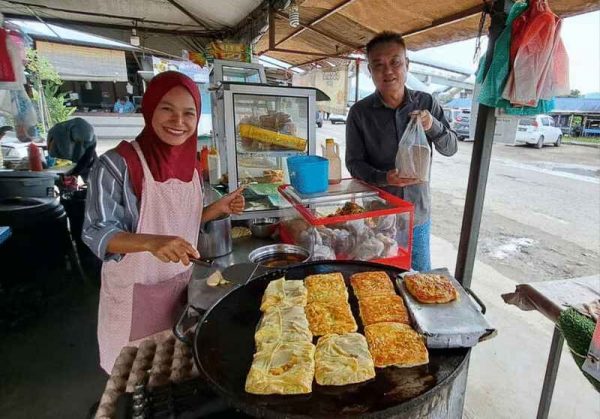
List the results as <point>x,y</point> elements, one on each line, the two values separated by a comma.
<point>141,295</point>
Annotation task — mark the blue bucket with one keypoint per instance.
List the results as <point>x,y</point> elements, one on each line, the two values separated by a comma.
<point>308,174</point>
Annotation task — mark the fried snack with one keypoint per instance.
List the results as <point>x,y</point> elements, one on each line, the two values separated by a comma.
<point>369,284</point>
<point>325,318</point>
<point>343,359</point>
<point>395,344</point>
<point>326,288</point>
<point>287,324</point>
<point>282,293</point>
<point>282,368</point>
<point>383,308</point>
<point>430,288</point>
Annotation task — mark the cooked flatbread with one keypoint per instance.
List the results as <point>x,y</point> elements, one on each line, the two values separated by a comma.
<point>430,288</point>
<point>325,318</point>
<point>383,308</point>
<point>326,287</point>
<point>287,324</point>
<point>282,293</point>
<point>369,284</point>
<point>343,359</point>
<point>282,368</point>
<point>395,344</point>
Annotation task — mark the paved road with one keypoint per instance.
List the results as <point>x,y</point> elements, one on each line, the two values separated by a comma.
<point>541,217</point>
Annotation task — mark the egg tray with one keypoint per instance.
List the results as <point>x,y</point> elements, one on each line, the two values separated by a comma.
<point>156,362</point>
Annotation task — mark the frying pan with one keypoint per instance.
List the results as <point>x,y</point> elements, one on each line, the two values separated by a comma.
<point>223,347</point>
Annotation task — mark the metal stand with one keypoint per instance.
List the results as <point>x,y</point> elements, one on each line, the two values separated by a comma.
<point>551,372</point>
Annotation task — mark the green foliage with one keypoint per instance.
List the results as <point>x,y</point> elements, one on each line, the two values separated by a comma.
<point>55,101</point>
<point>40,69</point>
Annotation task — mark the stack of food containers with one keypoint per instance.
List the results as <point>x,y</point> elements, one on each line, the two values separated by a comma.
<point>350,221</point>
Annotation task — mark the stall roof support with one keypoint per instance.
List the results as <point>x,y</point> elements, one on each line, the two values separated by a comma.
<point>480,164</point>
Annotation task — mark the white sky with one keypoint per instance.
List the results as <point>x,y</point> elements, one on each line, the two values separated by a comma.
<point>581,36</point>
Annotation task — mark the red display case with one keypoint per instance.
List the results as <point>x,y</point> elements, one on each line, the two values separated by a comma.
<point>351,220</point>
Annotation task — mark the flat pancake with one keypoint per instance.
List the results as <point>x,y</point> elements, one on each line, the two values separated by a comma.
<point>282,368</point>
<point>395,344</point>
<point>326,287</point>
<point>369,284</point>
<point>430,288</point>
<point>325,318</point>
<point>282,293</point>
<point>383,308</point>
<point>287,324</point>
<point>343,359</point>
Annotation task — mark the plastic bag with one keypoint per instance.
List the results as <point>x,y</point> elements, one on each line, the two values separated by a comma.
<point>414,154</point>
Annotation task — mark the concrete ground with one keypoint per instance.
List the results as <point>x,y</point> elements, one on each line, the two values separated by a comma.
<point>50,363</point>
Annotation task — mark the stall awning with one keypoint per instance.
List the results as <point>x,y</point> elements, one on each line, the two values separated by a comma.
<point>84,63</point>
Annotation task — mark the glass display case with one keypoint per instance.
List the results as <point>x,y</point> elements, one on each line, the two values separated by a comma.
<point>263,126</point>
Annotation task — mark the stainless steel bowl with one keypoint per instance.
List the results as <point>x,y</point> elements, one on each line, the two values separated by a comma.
<point>263,228</point>
<point>279,255</point>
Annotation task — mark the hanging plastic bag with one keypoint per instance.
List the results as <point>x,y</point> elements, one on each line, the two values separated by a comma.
<point>414,153</point>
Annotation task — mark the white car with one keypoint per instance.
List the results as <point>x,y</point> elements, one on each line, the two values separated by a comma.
<point>538,130</point>
<point>335,118</point>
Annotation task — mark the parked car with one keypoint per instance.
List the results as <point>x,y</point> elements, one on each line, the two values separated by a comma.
<point>459,121</point>
<point>538,130</point>
<point>335,118</point>
<point>319,119</point>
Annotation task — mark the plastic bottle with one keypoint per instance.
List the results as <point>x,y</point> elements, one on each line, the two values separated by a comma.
<point>204,162</point>
<point>331,152</point>
<point>214,166</point>
<point>35,158</point>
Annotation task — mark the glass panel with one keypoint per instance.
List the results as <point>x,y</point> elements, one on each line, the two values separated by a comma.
<point>243,75</point>
<point>545,122</point>
<point>268,130</point>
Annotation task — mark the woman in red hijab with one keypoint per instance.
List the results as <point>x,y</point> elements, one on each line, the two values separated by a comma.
<point>143,215</point>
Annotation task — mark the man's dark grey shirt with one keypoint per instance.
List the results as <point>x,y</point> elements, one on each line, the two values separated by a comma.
<point>373,131</point>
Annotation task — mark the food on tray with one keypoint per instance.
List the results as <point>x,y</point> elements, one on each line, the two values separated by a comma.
<point>326,287</point>
<point>273,176</point>
<point>282,325</point>
<point>281,293</point>
<point>430,288</point>
<point>282,368</point>
<point>395,344</point>
<point>369,284</point>
<point>267,136</point>
<point>325,318</point>
<point>238,232</point>
<point>349,208</point>
<point>383,308</point>
<point>343,359</point>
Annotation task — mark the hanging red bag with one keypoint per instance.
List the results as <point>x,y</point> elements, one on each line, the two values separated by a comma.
<point>7,72</point>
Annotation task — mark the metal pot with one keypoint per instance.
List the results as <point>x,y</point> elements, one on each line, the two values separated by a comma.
<point>214,239</point>
<point>279,255</point>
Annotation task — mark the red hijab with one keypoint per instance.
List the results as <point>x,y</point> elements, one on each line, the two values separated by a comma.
<point>165,161</point>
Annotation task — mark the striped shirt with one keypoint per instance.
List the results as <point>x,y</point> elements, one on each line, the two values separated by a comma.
<point>111,205</point>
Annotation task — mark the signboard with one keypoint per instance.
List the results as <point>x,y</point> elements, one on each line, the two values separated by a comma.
<point>333,81</point>
<point>193,71</point>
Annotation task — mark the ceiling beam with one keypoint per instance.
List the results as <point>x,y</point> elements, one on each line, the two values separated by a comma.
<point>465,14</point>
<point>189,14</point>
<point>310,28</point>
<point>324,16</point>
<point>198,33</point>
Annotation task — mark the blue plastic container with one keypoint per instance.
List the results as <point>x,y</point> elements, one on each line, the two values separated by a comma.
<point>308,174</point>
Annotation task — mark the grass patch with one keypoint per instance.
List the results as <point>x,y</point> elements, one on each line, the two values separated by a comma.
<point>587,140</point>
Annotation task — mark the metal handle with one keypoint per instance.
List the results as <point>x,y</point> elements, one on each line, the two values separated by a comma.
<point>477,299</point>
<point>180,325</point>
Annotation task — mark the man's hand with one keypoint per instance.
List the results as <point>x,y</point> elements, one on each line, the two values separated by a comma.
<point>394,179</point>
<point>171,249</point>
<point>426,118</point>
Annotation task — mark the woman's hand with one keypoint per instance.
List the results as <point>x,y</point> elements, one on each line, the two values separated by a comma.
<point>172,249</point>
<point>233,203</point>
<point>426,118</point>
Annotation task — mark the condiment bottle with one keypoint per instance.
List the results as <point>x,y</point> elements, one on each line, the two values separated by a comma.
<point>331,152</point>
<point>214,166</point>
<point>204,162</point>
<point>35,158</point>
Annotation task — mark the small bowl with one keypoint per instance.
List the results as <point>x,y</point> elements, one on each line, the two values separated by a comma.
<point>263,228</point>
<point>279,255</point>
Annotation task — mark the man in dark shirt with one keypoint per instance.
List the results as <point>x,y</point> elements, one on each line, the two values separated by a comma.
<point>375,125</point>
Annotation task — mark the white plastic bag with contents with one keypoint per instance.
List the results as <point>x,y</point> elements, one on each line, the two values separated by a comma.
<point>414,154</point>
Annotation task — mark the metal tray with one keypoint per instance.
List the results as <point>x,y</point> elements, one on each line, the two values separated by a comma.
<point>458,324</point>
